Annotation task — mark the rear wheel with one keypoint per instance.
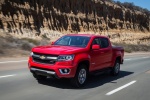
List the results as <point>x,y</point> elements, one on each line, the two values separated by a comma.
<point>81,76</point>
<point>116,69</point>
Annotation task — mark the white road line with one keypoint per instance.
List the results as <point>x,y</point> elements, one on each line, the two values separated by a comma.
<point>13,61</point>
<point>120,88</point>
<point>136,58</point>
<point>7,76</point>
<point>145,57</point>
<point>127,59</point>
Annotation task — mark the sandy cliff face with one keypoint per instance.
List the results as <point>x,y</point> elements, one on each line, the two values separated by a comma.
<point>41,16</point>
<point>53,18</point>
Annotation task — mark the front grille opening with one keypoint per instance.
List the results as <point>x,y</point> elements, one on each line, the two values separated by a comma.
<point>37,58</point>
<point>45,54</point>
<point>44,61</point>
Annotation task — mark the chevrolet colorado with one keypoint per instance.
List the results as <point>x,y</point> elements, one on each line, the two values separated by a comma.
<point>74,56</point>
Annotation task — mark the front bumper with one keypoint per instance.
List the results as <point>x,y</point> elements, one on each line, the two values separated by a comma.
<point>53,69</point>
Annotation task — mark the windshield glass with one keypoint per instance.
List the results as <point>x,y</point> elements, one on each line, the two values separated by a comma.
<point>77,41</point>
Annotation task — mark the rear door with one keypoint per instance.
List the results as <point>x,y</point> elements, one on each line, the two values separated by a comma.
<point>105,52</point>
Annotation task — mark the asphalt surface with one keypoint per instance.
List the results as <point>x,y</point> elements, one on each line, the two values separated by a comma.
<point>133,83</point>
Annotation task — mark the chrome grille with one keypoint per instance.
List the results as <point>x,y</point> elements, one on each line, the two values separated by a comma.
<point>44,58</point>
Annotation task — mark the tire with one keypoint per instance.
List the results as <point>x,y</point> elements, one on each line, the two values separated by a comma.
<point>39,77</point>
<point>116,68</point>
<point>81,76</point>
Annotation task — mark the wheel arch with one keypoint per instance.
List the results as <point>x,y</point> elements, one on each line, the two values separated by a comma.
<point>119,59</point>
<point>114,61</point>
<point>85,62</point>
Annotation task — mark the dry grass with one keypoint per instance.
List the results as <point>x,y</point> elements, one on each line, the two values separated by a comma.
<point>21,46</point>
<point>131,41</point>
<point>11,46</point>
<point>133,48</point>
<point>34,41</point>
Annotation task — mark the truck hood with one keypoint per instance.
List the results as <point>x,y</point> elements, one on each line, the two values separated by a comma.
<point>57,50</point>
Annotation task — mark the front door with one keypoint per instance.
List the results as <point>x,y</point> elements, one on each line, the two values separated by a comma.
<point>96,57</point>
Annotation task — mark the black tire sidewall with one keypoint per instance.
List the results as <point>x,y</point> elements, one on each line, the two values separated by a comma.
<point>113,72</point>
<point>75,82</point>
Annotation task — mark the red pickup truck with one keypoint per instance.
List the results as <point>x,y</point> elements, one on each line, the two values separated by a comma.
<point>75,56</point>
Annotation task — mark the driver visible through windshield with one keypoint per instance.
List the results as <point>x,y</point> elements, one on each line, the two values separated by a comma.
<point>77,41</point>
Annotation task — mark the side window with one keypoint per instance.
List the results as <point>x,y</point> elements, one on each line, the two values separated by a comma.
<point>96,41</point>
<point>104,42</point>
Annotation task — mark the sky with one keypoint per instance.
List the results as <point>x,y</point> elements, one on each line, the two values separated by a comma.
<point>141,3</point>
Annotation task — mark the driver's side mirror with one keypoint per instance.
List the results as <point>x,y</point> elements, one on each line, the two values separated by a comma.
<point>95,47</point>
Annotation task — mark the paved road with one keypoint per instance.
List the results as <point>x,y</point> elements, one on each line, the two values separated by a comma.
<point>133,83</point>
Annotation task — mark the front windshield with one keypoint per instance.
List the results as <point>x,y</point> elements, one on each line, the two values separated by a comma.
<point>77,41</point>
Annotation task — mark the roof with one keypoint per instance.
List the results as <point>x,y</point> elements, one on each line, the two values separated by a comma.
<point>87,35</point>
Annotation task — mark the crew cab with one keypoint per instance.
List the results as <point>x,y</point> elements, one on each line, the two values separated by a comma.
<point>75,56</point>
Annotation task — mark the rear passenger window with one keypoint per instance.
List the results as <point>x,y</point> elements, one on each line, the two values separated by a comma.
<point>104,43</point>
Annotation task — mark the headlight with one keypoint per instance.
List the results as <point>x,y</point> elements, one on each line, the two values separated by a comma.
<point>65,57</point>
<point>31,54</point>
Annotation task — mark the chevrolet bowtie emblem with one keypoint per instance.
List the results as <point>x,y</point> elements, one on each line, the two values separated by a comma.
<point>42,57</point>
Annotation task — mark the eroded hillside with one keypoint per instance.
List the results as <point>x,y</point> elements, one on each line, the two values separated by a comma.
<point>52,18</point>
<point>21,16</point>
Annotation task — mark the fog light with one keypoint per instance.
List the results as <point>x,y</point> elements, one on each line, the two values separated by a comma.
<point>64,71</point>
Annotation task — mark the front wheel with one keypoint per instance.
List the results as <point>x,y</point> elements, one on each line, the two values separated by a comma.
<point>81,77</point>
<point>116,69</point>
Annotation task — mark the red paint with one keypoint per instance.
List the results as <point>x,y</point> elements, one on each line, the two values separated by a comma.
<point>97,58</point>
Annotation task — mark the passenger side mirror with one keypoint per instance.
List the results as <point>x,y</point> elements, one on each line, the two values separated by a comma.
<point>95,47</point>
<point>52,43</point>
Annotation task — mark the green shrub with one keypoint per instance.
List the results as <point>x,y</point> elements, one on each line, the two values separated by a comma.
<point>26,46</point>
<point>44,36</point>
